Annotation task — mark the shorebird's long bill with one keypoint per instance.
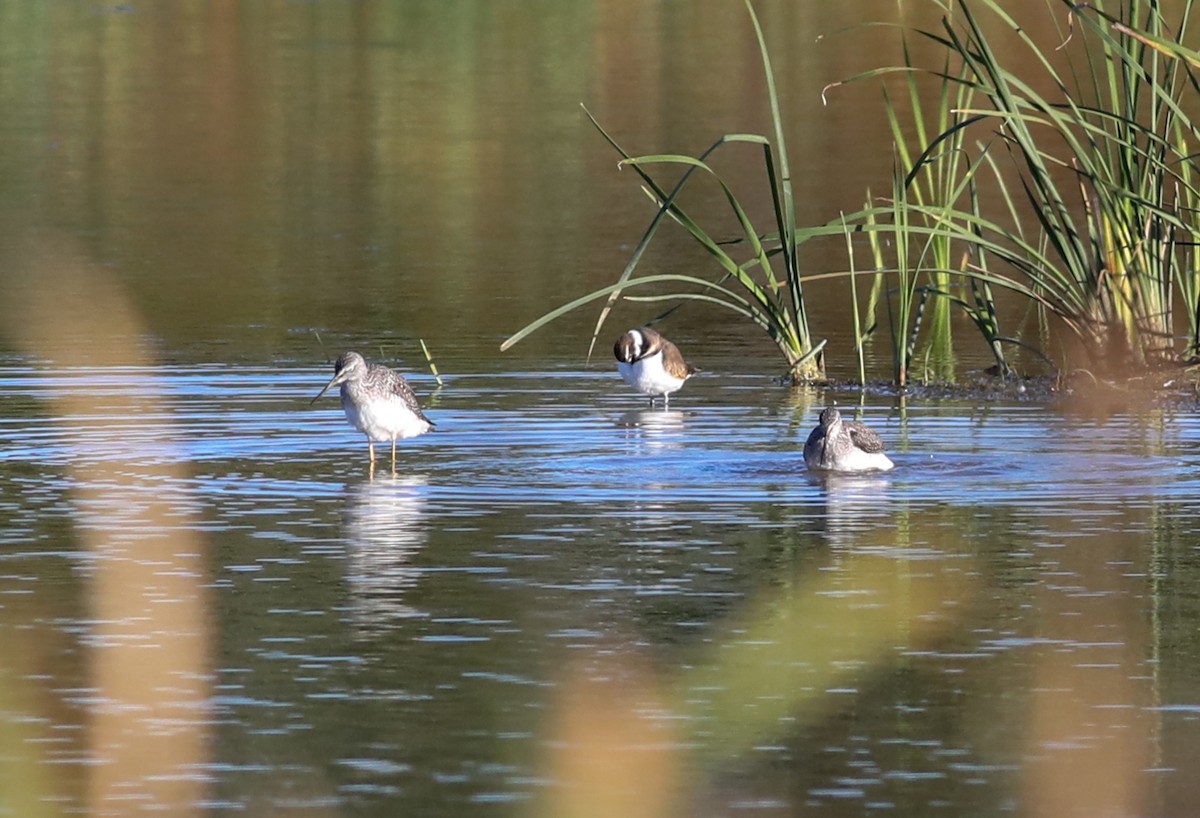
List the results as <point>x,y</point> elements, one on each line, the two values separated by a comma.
<point>334,381</point>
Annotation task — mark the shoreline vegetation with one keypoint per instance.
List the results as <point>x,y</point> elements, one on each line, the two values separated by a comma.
<point>1082,201</point>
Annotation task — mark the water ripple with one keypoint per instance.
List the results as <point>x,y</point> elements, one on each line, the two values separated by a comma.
<point>580,436</point>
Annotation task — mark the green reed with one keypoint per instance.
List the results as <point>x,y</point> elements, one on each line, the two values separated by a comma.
<point>1092,207</point>
<point>1081,199</point>
<point>749,286</point>
<point>1182,137</point>
<point>1098,166</point>
<point>432,366</point>
<point>932,182</point>
<point>860,336</point>
<point>929,183</point>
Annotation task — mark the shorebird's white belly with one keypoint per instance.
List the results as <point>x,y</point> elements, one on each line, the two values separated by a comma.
<point>648,375</point>
<point>858,460</point>
<point>852,459</point>
<point>384,420</point>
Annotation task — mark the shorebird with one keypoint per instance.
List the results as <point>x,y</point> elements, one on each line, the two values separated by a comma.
<point>844,445</point>
<point>377,401</point>
<point>651,364</point>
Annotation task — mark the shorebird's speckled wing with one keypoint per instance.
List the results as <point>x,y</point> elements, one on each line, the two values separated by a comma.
<point>385,381</point>
<point>864,438</point>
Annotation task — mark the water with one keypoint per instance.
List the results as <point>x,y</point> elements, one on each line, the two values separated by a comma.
<point>563,604</point>
<point>417,641</point>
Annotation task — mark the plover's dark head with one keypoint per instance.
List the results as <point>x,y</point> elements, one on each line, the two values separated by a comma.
<point>630,346</point>
<point>349,366</point>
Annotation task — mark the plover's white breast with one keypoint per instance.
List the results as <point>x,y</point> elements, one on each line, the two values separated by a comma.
<point>648,375</point>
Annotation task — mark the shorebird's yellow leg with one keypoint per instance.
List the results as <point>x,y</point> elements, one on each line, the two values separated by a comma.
<point>393,455</point>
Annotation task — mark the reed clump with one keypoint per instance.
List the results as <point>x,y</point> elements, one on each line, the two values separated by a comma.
<point>1061,173</point>
<point>1091,210</point>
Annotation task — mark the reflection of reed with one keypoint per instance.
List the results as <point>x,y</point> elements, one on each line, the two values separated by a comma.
<point>148,641</point>
<point>1091,729</point>
<point>618,744</point>
<point>385,528</point>
<point>610,750</point>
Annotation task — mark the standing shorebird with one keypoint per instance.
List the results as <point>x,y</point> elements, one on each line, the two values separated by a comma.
<point>844,445</point>
<point>377,401</point>
<point>651,364</point>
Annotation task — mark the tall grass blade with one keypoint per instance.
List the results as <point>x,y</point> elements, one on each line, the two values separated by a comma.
<point>432,366</point>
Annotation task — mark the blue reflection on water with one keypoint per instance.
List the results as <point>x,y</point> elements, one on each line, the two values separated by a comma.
<point>550,512</point>
<point>578,436</point>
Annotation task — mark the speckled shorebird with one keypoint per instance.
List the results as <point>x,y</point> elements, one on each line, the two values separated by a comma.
<point>377,401</point>
<point>651,364</point>
<point>844,445</point>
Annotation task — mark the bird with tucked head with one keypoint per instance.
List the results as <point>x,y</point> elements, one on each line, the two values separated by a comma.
<point>651,364</point>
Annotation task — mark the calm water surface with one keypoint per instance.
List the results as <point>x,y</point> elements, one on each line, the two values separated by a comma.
<point>1015,600</point>
<point>563,604</point>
